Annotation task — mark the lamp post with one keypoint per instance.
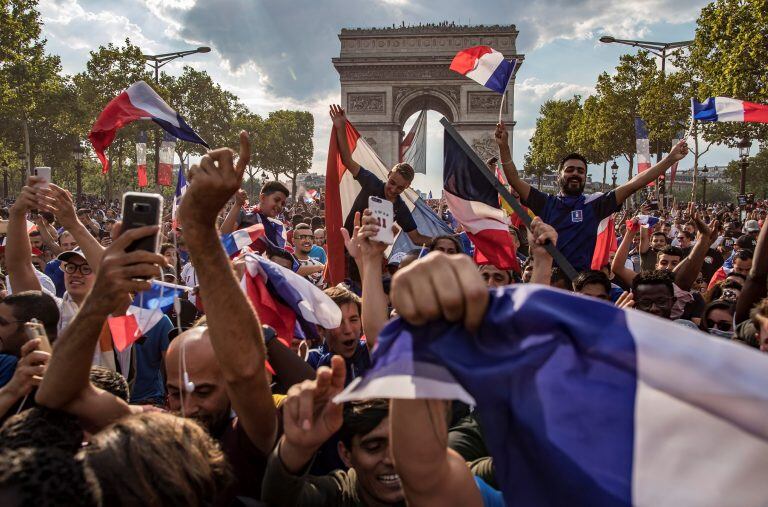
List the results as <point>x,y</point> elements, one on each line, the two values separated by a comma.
<point>614,172</point>
<point>659,49</point>
<point>157,61</point>
<point>22,169</point>
<point>744,146</point>
<point>77,153</point>
<point>704,171</point>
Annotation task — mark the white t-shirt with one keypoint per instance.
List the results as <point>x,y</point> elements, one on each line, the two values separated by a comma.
<point>189,277</point>
<point>315,278</point>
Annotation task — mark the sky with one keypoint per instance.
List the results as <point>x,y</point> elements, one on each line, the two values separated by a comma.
<point>277,54</point>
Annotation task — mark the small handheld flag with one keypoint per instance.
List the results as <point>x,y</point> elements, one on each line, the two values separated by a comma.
<point>726,109</point>
<point>487,67</point>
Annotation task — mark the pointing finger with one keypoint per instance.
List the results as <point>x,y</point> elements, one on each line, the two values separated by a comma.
<point>245,153</point>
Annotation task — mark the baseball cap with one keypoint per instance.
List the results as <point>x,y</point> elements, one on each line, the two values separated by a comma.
<point>67,256</point>
<point>746,241</point>
<point>751,226</point>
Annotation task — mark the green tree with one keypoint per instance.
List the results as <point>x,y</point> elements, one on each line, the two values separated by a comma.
<point>729,57</point>
<point>251,123</point>
<point>550,142</point>
<point>286,147</point>
<point>590,135</point>
<point>757,174</point>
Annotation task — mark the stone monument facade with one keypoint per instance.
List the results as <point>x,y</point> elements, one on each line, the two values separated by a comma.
<point>387,74</point>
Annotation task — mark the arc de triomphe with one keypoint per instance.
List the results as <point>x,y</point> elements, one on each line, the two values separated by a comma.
<point>387,74</point>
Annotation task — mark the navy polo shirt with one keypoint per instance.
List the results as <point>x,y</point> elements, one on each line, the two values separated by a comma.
<point>575,218</point>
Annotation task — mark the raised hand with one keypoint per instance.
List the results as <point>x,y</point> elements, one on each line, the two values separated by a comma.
<point>30,370</point>
<point>440,286</point>
<point>679,151</point>
<point>120,271</point>
<point>501,135</point>
<point>212,183</point>
<point>369,248</point>
<point>310,417</point>
<point>59,202</point>
<point>538,235</point>
<point>352,243</point>
<point>626,300</point>
<point>28,197</point>
<point>241,198</point>
<point>338,117</point>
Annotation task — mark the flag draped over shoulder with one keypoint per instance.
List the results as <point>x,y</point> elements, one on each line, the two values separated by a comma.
<point>341,189</point>
<point>582,403</point>
<point>145,311</point>
<point>474,203</point>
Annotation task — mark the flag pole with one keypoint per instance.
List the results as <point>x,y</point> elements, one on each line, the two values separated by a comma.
<point>504,93</point>
<point>504,193</point>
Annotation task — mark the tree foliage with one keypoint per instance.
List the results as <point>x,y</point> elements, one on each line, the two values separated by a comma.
<point>283,144</point>
<point>550,142</point>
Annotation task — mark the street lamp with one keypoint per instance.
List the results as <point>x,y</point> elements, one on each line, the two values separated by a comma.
<point>77,153</point>
<point>22,170</point>
<point>157,61</point>
<point>656,48</point>
<point>744,146</point>
<point>704,171</point>
<point>614,172</point>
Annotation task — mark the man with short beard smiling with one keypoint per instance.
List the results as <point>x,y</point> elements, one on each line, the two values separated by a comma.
<point>576,216</point>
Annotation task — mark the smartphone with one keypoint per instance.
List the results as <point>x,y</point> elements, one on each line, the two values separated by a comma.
<point>140,209</point>
<point>34,329</point>
<point>384,214</point>
<point>44,173</point>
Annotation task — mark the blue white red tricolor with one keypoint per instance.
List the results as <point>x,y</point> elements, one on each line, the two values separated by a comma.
<point>138,102</point>
<point>727,109</point>
<point>484,65</point>
<point>642,145</point>
<point>474,203</point>
<point>583,403</point>
<point>242,238</point>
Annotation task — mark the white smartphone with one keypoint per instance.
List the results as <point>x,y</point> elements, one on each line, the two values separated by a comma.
<point>384,213</point>
<point>44,173</point>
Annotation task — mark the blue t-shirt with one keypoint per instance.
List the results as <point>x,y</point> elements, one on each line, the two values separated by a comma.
<point>318,254</point>
<point>491,497</point>
<point>54,272</point>
<point>149,359</point>
<point>7,368</point>
<point>359,363</point>
<point>575,218</point>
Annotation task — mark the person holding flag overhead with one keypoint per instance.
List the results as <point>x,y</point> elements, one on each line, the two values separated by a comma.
<point>574,215</point>
<point>400,177</point>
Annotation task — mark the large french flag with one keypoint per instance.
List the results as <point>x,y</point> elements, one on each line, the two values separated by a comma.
<point>341,189</point>
<point>289,303</point>
<point>484,65</point>
<point>727,109</point>
<point>474,203</point>
<point>138,102</point>
<point>605,244</point>
<point>181,188</point>
<point>583,403</point>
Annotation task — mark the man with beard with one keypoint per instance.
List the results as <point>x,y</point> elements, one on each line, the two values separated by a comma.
<point>575,216</point>
<point>212,370</point>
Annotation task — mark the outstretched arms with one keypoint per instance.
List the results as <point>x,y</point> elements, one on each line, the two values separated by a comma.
<point>510,171</point>
<point>678,153</point>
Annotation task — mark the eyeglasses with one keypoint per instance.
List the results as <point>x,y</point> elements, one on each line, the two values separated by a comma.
<point>303,236</point>
<point>722,325</point>
<point>84,269</point>
<point>646,304</point>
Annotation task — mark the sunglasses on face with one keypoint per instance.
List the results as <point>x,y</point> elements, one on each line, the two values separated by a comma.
<point>722,325</point>
<point>645,304</point>
<point>84,269</point>
<point>304,236</point>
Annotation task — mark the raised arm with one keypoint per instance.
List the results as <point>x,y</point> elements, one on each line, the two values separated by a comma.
<point>289,367</point>
<point>430,472</point>
<point>755,287</point>
<point>618,265</point>
<point>538,235</point>
<point>689,268</point>
<point>339,119</point>
<point>230,222</point>
<point>59,202</point>
<point>510,171</point>
<point>66,384</point>
<point>18,250</point>
<point>418,238</point>
<point>679,151</point>
<point>375,311</point>
<point>645,240</point>
<point>235,330</point>
<point>46,236</point>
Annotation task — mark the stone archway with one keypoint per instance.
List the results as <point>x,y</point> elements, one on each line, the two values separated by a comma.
<point>387,74</point>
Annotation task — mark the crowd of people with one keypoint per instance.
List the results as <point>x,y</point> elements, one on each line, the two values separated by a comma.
<point>210,407</point>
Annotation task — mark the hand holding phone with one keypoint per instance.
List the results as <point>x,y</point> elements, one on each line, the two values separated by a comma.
<point>43,173</point>
<point>34,330</point>
<point>141,209</point>
<point>383,211</point>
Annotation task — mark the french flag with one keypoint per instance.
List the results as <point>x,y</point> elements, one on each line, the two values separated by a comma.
<point>242,238</point>
<point>341,190</point>
<point>484,65</point>
<point>474,203</point>
<point>287,302</point>
<point>146,310</point>
<point>583,403</point>
<point>138,102</point>
<point>605,244</point>
<point>181,188</point>
<point>642,145</point>
<point>727,109</point>
<point>647,220</point>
